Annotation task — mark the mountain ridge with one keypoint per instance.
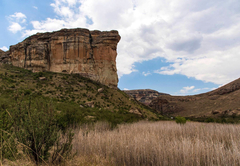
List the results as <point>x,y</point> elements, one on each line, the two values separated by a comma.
<point>222,101</point>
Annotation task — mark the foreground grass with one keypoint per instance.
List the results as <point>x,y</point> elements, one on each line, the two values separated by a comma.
<point>160,143</point>
<point>153,143</point>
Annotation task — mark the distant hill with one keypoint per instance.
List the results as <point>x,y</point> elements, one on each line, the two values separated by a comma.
<point>224,101</point>
<point>144,96</point>
<point>72,94</point>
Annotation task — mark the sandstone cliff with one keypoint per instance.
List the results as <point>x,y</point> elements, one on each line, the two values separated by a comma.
<point>144,96</point>
<point>89,53</point>
<point>4,58</point>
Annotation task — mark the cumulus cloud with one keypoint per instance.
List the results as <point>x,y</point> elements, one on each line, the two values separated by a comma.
<point>15,27</point>
<point>35,7</point>
<point>18,17</point>
<point>199,39</point>
<point>186,89</point>
<point>16,22</point>
<point>4,48</point>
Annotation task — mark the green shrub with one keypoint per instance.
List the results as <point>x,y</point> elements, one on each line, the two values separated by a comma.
<point>35,126</point>
<point>209,119</point>
<point>180,120</point>
<point>8,147</point>
<point>27,92</point>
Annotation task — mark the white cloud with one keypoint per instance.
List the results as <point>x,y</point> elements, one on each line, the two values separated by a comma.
<point>146,73</point>
<point>186,89</point>
<point>16,22</point>
<point>4,48</point>
<point>15,27</point>
<point>192,90</point>
<point>18,17</point>
<point>200,39</point>
<point>125,89</point>
<point>35,7</point>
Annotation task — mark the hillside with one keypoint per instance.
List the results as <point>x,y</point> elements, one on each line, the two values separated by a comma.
<point>144,96</point>
<point>224,101</point>
<point>70,93</point>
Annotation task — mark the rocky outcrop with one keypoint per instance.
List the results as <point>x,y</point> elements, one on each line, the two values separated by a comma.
<point>4,57</point>
<point>1,53</point>
<point>89,53</point>
<point>163,106</point>
<point>144,96</point>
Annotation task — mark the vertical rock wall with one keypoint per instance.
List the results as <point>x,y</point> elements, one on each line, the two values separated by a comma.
<point>89,53</point>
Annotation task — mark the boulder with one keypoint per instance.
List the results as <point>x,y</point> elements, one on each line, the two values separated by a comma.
<point>90,104</point>
<point>42,78</point>
<point>135,111</point>
<point>100,90</point>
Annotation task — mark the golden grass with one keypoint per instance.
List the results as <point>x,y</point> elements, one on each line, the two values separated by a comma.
<point>153,143</point>
<point>159,143</point>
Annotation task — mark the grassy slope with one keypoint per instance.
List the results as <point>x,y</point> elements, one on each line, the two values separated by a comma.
<point>70,93</point>
<point>224,99</point>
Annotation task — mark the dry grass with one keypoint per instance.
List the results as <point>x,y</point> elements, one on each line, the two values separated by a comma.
<point>158,143</point>
<point>153,143</point>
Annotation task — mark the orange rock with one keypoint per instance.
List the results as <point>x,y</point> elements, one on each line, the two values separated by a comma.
<point>89,53</point>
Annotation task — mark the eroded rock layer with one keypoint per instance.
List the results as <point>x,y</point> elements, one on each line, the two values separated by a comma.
<point>89,53</point>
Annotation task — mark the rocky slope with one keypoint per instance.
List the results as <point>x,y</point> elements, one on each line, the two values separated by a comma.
<point>144,96</point>
<point>224,101</point>
<point>71,93</point>
<point>89,53</point>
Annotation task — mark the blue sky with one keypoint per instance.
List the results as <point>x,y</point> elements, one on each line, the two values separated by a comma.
<point>176,47</point>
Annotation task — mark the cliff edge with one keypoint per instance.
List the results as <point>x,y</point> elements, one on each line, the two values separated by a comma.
<point>89,53</point>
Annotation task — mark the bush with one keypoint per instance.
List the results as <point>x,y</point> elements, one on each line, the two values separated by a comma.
<point>210,119</point>
<point>7,143</point>
<point>180,120</point>
<point>27,92</point>
<point>35,126</point>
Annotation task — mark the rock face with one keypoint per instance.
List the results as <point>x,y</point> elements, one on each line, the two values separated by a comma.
<point>89,53</point>
<point>4,58</point>
<point>1,53</point>
<point>144,96</point>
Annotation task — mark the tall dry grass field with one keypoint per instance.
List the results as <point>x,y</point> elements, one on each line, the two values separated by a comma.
<point>160,143</point>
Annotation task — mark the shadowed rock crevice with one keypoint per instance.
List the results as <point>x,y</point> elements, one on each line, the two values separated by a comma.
<point>91,48</point>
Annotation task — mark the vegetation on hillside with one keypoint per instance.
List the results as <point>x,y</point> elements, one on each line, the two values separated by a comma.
<point>71,94</point>
<point>37,110</point>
